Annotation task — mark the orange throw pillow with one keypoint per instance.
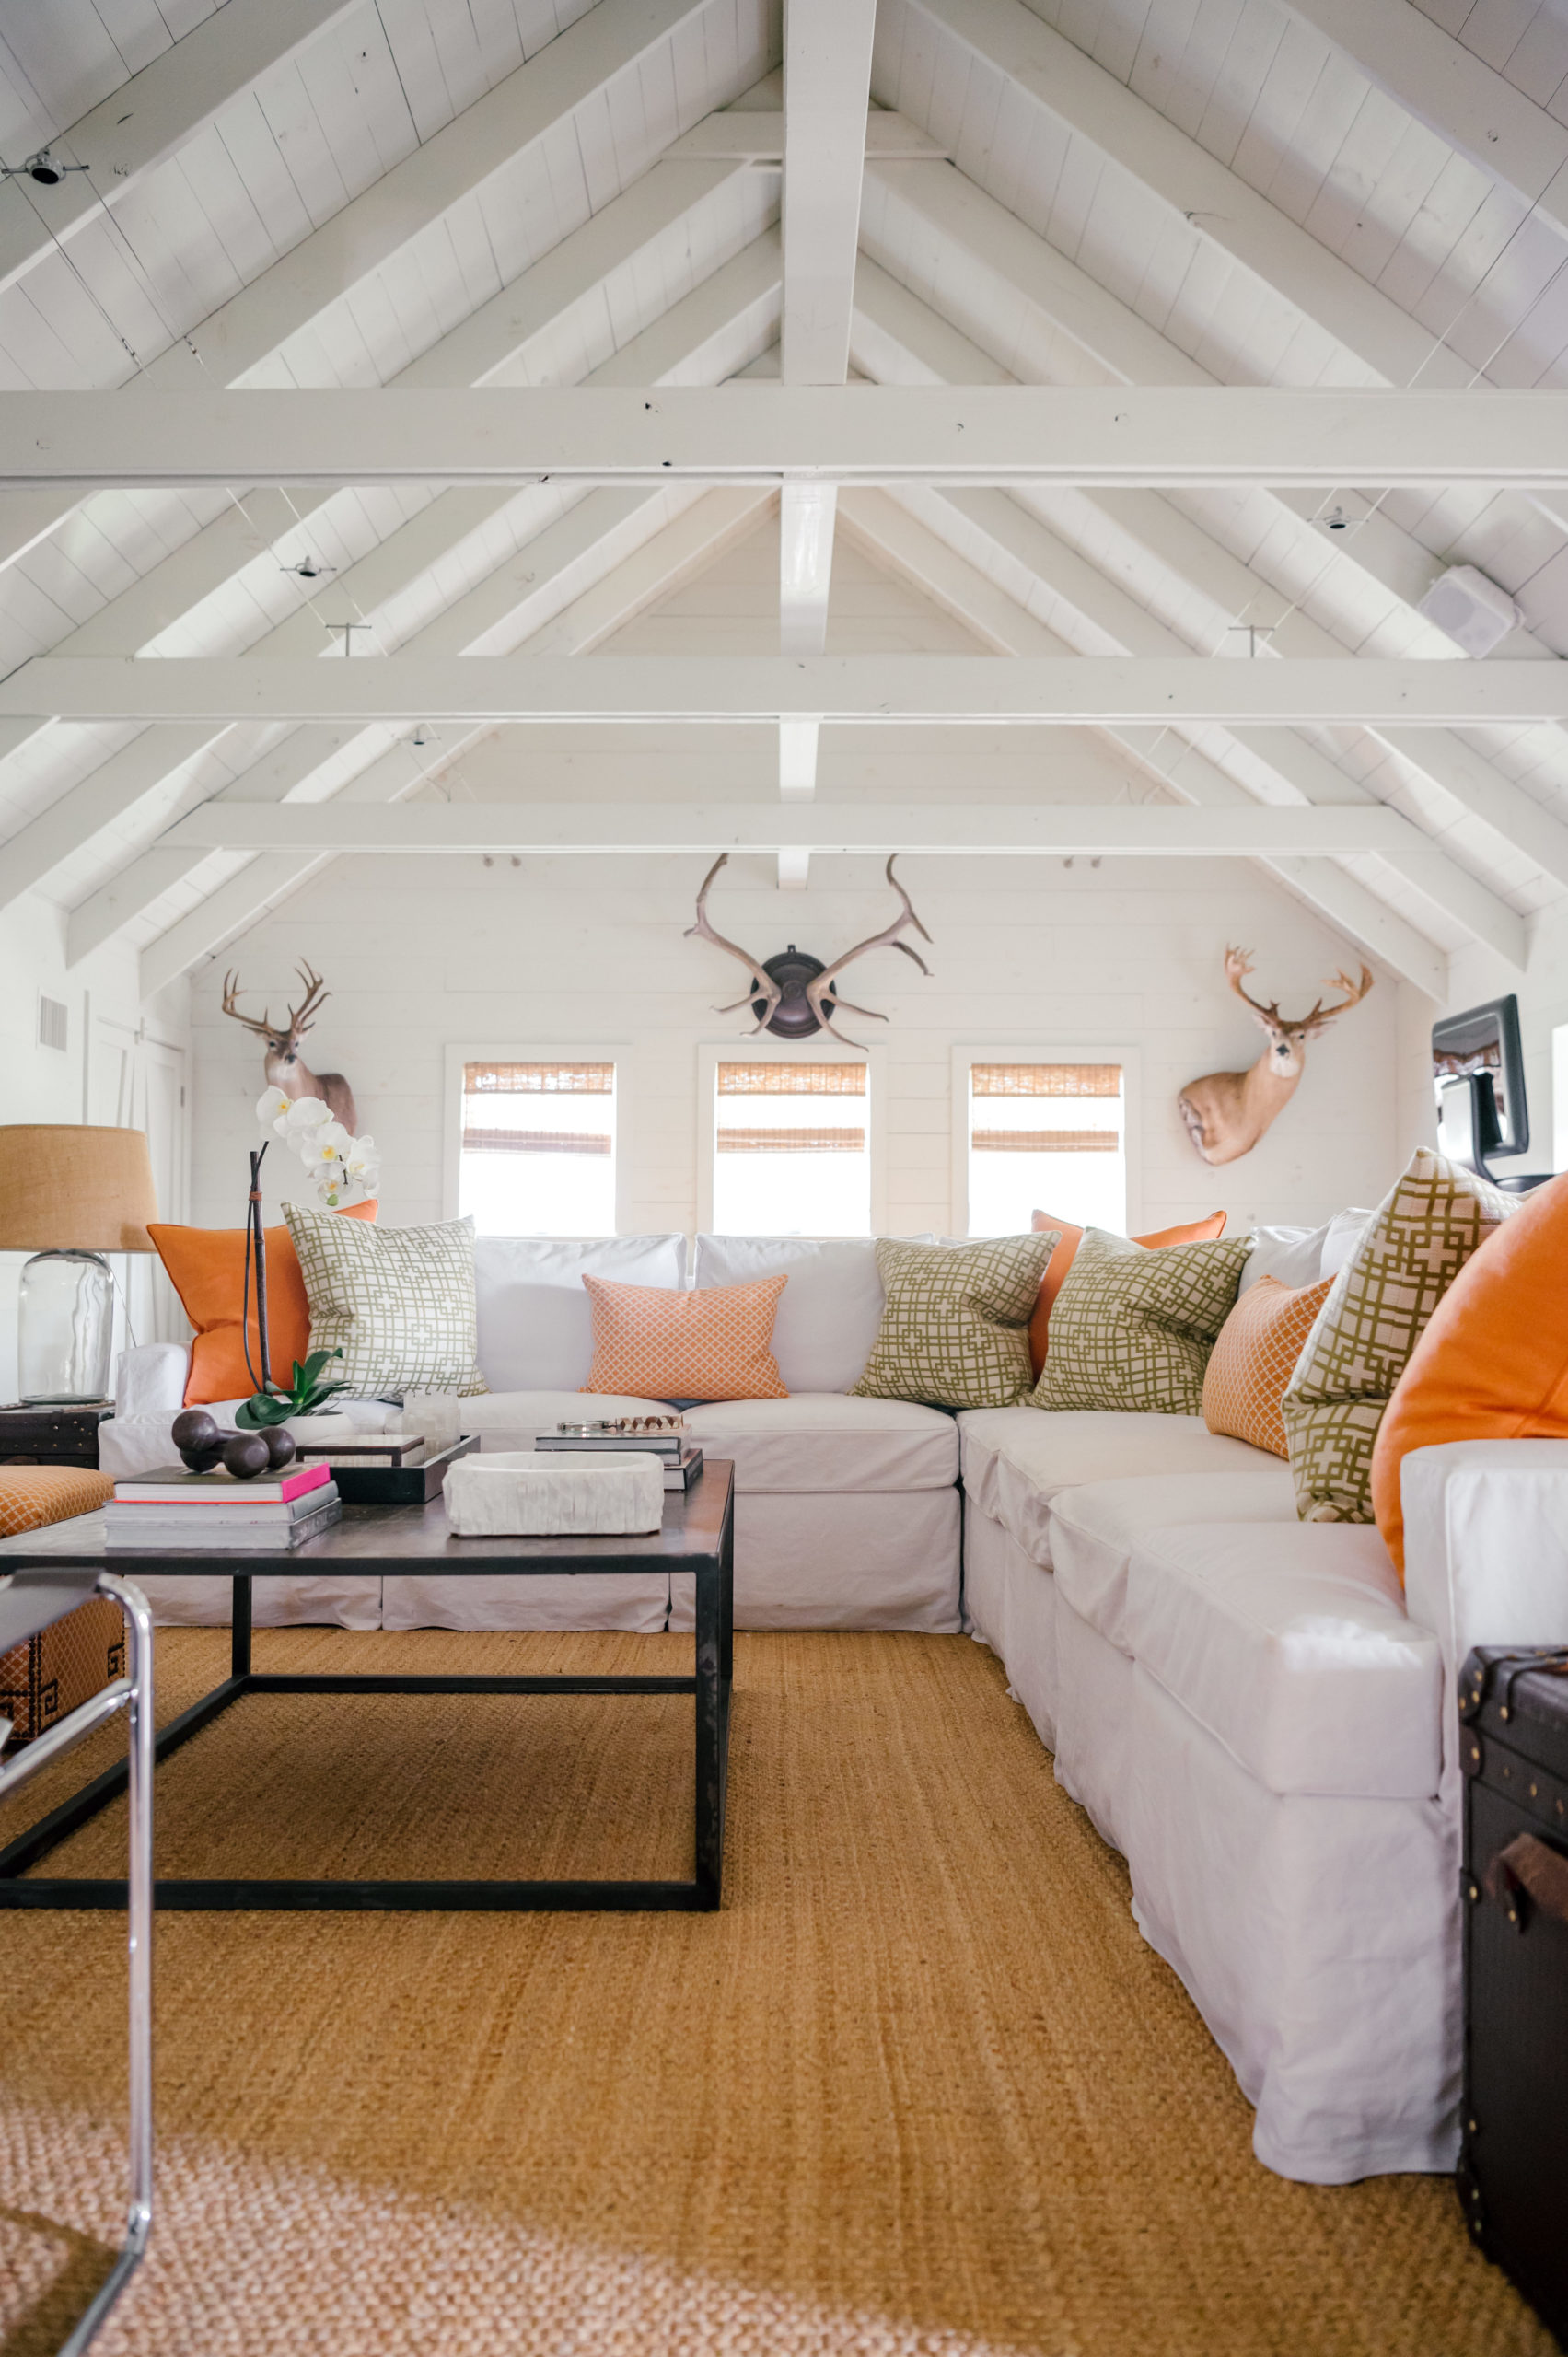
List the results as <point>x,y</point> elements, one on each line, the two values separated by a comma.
<point>1203,1231</point>
<point>206,1268</point>
<point>651,1343</point>
<point>1254,1357</point>
<point>1492,1362</point>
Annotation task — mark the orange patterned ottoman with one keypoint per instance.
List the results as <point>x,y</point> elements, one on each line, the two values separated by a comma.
<point>67,1665</point>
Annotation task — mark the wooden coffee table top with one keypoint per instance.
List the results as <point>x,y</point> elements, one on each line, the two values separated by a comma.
<point>387,1540</point>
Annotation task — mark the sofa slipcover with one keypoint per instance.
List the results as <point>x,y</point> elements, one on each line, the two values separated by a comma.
<point>1095,1528</point>
<point>1292,1648</point>
<point>821,1441</point>
<point>1015,1460</point>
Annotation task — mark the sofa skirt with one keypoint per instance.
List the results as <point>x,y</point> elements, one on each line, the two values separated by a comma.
<point>1318,1937</point>
<point>842,1559</point>
<point>1010,1604</point>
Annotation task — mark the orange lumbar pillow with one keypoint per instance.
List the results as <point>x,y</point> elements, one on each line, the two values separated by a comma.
<point>206,1268</point>
<point>1254,1358</point>
<point>653,1343</point>
<point>1203,1231</point>
<point>1492,1362</point>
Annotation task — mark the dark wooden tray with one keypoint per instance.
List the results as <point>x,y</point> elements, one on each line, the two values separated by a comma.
<point>398,1485</point>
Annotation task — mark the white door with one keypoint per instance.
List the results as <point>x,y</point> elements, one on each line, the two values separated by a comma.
<point>138,1082</point>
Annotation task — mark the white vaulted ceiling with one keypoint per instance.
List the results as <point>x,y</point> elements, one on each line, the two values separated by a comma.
<point>448,194</point>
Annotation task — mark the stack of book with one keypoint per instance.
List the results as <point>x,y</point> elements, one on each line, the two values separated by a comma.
<point>679,1454</point>
<point>173,1511</point>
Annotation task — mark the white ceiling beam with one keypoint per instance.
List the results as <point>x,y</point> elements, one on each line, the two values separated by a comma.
<point>347,250</point>
<point>694,539</point>
<point>740,135</point>
<point>678,338</point>
<point>148,118</point>
<point>1446,86</point>
<point>827,86</point>
<point>1029,829</point>
<point>899,542</point>
<point>858,689</point>
<point>895,332</point>
<point>1190,437</point>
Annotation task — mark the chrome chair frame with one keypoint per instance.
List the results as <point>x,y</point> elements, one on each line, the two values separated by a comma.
<point>31,1601</point>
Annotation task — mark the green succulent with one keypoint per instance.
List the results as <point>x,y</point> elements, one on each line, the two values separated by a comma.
<point>306,1394</point>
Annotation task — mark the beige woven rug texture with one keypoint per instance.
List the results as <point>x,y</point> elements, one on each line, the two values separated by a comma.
<point>919,2090</point>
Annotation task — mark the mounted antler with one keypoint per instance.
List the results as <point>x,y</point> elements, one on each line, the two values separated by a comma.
<point>819,988</point>
<point>285,1068</point>
<point>1227,1112</point>
<point>762,984</point>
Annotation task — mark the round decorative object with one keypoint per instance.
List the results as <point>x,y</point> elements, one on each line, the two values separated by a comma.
<point>247,1455</point>
<point>194,1428</point>
<point>793,1019</point>
<point>279,1447</point>
<point>203,1460</point>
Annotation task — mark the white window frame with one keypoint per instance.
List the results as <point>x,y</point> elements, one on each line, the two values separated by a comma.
<point>711,1055</point>
<point>530,1051</point>
<point>1077,1051</point>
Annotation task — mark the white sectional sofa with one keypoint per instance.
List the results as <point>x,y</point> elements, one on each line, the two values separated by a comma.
<point>1249,1708</point>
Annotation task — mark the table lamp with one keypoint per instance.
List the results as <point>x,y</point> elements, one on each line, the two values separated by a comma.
<point>69,1194</point>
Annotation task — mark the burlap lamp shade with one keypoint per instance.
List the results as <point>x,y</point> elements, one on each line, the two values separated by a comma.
<point>66,1188</point>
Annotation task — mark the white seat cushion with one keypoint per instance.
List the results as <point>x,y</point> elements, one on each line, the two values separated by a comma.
<point>819,1440</point>
<point>1016,1459</point>
<point>521,1415</point>
<point>1094,1529</point>
<point>1290,1643</point>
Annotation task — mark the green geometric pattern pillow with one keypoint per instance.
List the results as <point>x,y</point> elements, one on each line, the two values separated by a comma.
<point>399,1302</point>
<point>955,1321</point>
<point>1415,1245</point>
<point>1132,1327</point>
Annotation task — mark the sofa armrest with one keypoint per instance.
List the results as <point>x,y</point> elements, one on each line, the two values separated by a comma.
<point>150,1379</point>
<point>1486,1551</point>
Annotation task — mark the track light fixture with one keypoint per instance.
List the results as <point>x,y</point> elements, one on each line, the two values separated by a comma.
<point>42,169</point>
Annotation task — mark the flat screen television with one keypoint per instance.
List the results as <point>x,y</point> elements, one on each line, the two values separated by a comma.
<point>1486,1039</point>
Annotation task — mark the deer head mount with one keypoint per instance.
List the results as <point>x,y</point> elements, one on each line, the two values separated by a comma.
<point>1227,1112</point>
<point>286,1067</point>
<point>793,994</point>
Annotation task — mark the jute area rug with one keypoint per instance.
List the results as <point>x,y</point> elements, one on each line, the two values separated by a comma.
<point>920,2087</point>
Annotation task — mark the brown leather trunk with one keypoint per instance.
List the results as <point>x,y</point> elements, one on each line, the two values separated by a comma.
<point>1512,2177</point>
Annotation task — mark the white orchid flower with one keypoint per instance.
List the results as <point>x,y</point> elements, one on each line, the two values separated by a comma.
<point>272,1109</point>
<point>305,1114</point>
<point>359,1156</point>
<point>324,1143</point>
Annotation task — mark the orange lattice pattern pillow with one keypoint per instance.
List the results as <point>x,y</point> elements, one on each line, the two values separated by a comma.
<point>1254,1358</point>
<point>651,1343</point>
<point>31,1495</point>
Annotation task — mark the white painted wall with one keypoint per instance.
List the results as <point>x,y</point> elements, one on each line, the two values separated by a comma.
<point>44,1084</point>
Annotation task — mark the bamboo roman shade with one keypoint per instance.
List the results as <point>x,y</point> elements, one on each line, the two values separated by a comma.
<point>1045,1080</point>
<point>543,1080</point>
<point>482,1133</point>
<point>1045,1141</point>
<point>792,1080</point>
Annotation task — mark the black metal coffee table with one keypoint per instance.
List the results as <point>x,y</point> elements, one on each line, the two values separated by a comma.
<point>697,1536</point>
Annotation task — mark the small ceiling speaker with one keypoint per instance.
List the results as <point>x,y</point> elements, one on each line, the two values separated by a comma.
<point>1471,610</point>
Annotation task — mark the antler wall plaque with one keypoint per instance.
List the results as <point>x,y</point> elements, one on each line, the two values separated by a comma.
<point>794,994</point>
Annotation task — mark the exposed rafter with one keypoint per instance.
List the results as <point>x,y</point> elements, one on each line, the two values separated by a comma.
<point>868,691</point>
<point>675,341</point>
<point>1182,435</point>
<point>347,250</point>
<point>743,135</point>
<point>694,539</point>
<point>1457,94</point>
<point>143,122</point>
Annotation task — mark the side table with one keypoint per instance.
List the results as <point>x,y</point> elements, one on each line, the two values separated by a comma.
<point>45,1435</point>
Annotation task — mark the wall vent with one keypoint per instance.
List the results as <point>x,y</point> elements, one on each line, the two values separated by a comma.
<point>52,1022</point>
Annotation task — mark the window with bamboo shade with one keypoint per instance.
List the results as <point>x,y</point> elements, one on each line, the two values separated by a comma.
<point>791,1147</point>
<point>532,1167</point>
<point>1047,1135</point>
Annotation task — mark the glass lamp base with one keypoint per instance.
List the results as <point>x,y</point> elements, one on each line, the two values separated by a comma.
<point>64,1327</point>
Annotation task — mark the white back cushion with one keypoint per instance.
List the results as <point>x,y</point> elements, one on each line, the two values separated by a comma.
<point>828,1313</point>
<point>1301,1256</point>
<point>535,1326</point>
